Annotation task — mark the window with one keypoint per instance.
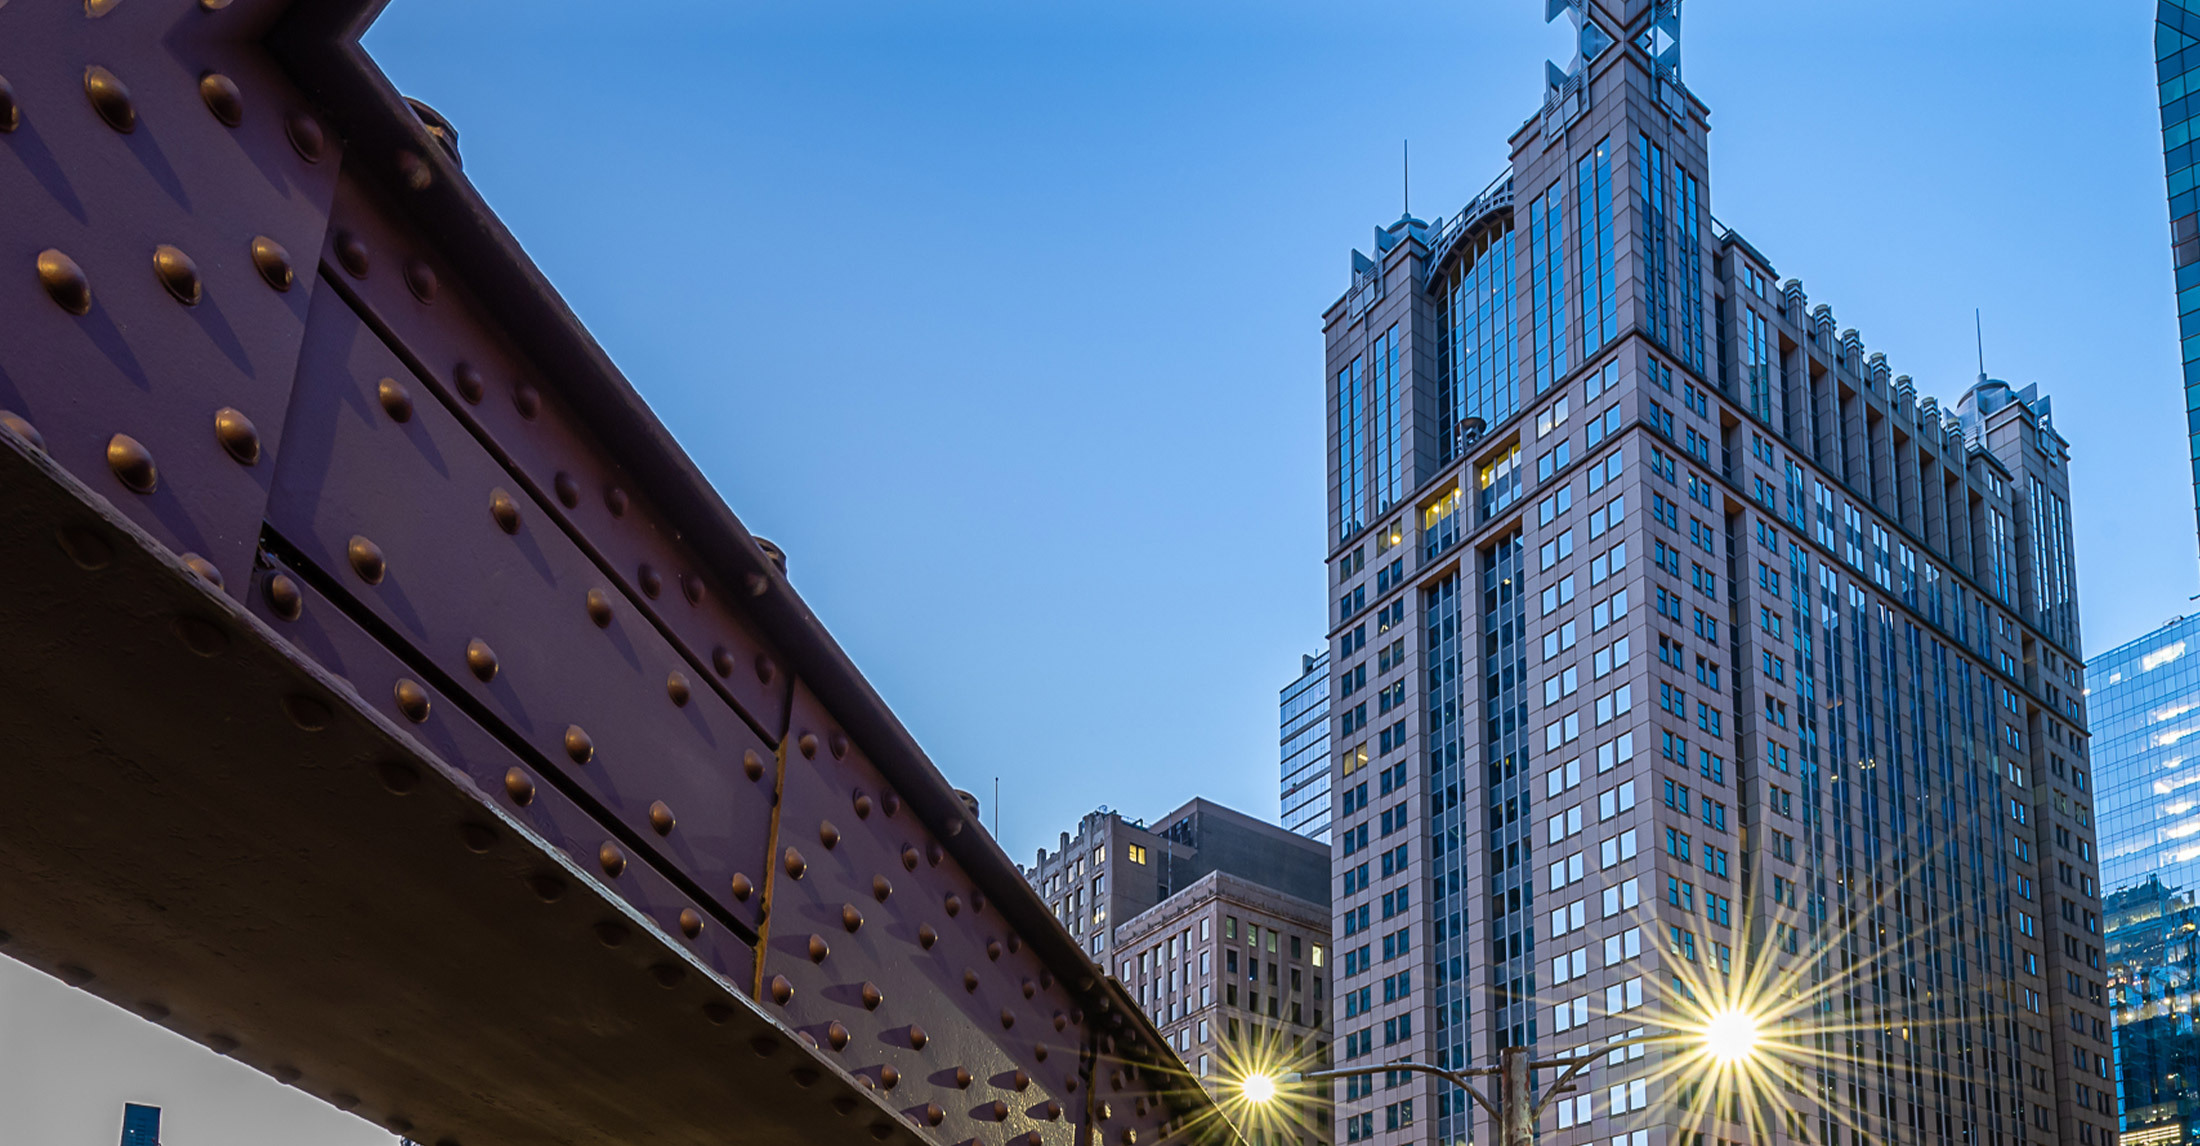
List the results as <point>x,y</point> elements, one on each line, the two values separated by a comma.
<point>1136,853</point>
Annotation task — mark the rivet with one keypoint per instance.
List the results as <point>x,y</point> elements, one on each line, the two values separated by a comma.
<point>397,776</point>
<point>691,924</point>
<point>412,700</point>
<point>222,98</point>
<point>650,582</point>
<point>611,859</point>
<point>766,671</point>
<point>110,98</point>
<point>612,933</point>
<point>718,1013</point>
<point>676,687</point>
<point>999,1110</point>
<point>284,598</point>
<point>285,1074</point>
<point>504,510</point>
<point>808,745</point>
<point>11,114</point>
<point>481,660</point>
<point>743,888</point>
<point>668,975</point>
<point>366,560</point>
<point>880,889</point>
<point>65,282</point>
<point>758,585</point>
<point>132,463</point>
<point>796,865</point>
<point>1046,979</point>
<point>548,888</point>
<point>614,499</point>
<point>933,1115</point>
<point>1070,1084</point>
<point>661,820</point>
<point>889,801</point>
<point>305,135</point>
<point>204,568</point>
<point>202,637</point>
<point>782,990</point>
<point>15,424</point>
<point>1130,1136</point>
<point>477,838</point>
<point>213,5</point>
<point>872,997</point>
<point>836,1035</point>
<point>850,918</point>
<point>177,273</point>
<point>882,1130</point>
<point>237,435</point>
<point>752,764</point>
<point>954,905</point>
<point>963,1078</point>
<point>86,548</point>
<point>578,747</point>
<point>395,398</point>
<point>343,1101</point>
<point>527,400</point>
<point>1051,1110</point>
<point>933,853</point>
<point>917,1037</point>
<point>843,1105</point>
<point>414,170</point>
<point>273,262</point>
<point>1020,1081</point>
<point>351,251</point>
<point>471,387</point>
<point>599,608</point>
<point>970,980</point>
<point>926,937</point>
<point>421,278</point>
<point>1030,988</point>
<point>818,949</point>
<point>1015,944</point>
<point>837,744</point>
<point>519,787</point>
<point>977,902</point>
<point>909,858</point>
<point>398,1126</point>
<point>828,835</point>
<point>993,950</point>
<point>805,1077</point>
<point>1039,1052</point>
<point>1061,1021</point>
<point>721,661</point>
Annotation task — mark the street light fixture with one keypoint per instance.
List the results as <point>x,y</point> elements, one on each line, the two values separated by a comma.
<point>1730,1037</point>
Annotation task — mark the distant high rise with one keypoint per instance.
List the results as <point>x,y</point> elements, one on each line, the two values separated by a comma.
<point>1113,868</point>
<point>2177,72</point>
<point>1305,704</point>
<point>140,1125</point>
<point>2154,987</point>
<point>1675,640</point>
<point>2146,747</point>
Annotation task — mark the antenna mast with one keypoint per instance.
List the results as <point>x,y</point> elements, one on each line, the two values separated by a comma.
<point>1979,324</point>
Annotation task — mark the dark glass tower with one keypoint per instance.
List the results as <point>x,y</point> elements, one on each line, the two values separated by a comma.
<point>2176,66</point>
<point>140,1125</point>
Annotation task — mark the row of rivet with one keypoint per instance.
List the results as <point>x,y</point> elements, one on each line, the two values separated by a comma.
<point>71,289</point>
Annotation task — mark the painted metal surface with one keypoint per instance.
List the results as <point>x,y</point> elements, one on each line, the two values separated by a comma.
<point>393,706</point>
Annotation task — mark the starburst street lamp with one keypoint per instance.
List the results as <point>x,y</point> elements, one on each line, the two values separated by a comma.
<point>1728,1037</point>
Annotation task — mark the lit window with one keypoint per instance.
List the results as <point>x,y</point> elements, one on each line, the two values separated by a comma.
<point>1136,853</point>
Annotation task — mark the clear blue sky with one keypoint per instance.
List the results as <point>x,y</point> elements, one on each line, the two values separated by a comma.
<point>1004,318</point>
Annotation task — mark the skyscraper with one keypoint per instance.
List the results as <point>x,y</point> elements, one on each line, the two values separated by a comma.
<point>2154,985</point>
<point>140,1125</point>
<point>1675,638</point>
<point>1305,749</point>
<point>2146,738</point>
<point>2176,66</point>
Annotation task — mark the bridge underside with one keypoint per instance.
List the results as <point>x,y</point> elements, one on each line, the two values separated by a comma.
<point>203,825</point>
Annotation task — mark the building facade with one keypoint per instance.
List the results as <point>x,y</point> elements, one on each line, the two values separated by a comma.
<point>2145,703</point>
<point>1235,975</point>
<point>1112,869</point>
<point>1674,640</point>
<point>140,1125</point>
<point>1305,749</point>
<point>2154,987</point>
<point>2177,76</point>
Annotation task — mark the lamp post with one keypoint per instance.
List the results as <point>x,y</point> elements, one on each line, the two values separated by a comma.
<point>1729,1037</point>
